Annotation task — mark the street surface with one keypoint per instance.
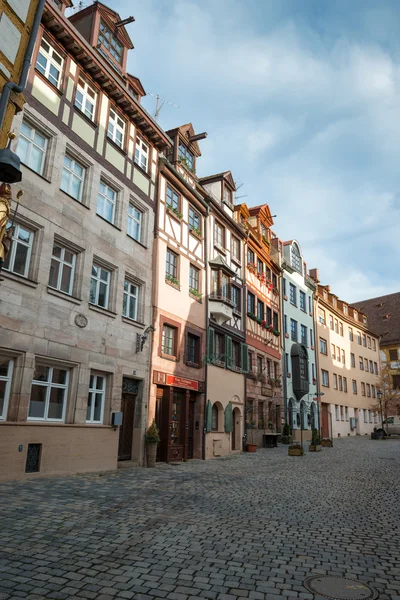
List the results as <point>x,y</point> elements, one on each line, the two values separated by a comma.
<point>251,526</point>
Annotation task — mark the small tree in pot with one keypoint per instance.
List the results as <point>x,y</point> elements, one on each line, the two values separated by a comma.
<point>286,437</point>
<point>151,439</point>
<point>315,445</point>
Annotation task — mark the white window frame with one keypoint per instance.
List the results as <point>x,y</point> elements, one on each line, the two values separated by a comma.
<point>196,270</point>
<point>133,219</point>
<point>104,199</point>
<point>114,126</point>
<point>31,142</point>
<point>98,280</point>
<point>50,385</point>
<point>13,250</point>
<point>73,174</point>
<point>84,89</point>
<point>48,55</point>
<point>94,390</point>
<point>141,154</point>
<point>8,379</point>
<point>325,378</point>
<point>62,262</point>
<point>128,294</point>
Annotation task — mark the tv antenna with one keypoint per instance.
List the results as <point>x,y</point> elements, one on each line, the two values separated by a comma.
<point>160,102</point>
<point>80,6</point>
<point>237,189</point>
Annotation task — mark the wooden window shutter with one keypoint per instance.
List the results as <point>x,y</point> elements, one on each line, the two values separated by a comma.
<point>210,344</point>
<point>209,417</point>
<point>228,352</point>
<point>245,358</point>
<point>228,419</point>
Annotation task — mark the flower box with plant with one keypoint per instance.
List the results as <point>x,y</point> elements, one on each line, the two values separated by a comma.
<point>266,240</point>
<point>171,279</point>
<point>252,267</point>
<point>175,211</point>
<point>198,295</point>
<point>276,332</point>
<point>196,231</point>
<point>275,291</point>
<point>315,445</point>
<point>286,437</point>
<point>252,316</point>
<point>326,443</point>
<point>151,440</point>
<point>295,450</point>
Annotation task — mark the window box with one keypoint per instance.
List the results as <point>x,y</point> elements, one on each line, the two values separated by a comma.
<point>314,381</point>
<point>252,267</point>
<point>288,375</point>
<point>268,328</point>
<point>174,212</point>
<point>266,241</point>
<point>285,297</point>
<point>184,162</point>
<point>196,231</point>
<point>287,336</point>
<point>172,281</point>
<point>275,291</point>
<point>276,332</point>
<point>236,369</point>
<point>195,294</point>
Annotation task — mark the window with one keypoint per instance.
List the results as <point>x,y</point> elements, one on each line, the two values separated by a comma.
<point>343,357</point>
<point>365,414</point>
<point>345,386</point>
<point>353,360</point>
<point>354,386</point>
<point>335,382</point>
<point>235,249</point>
<point>236,358</point>
<point>338,353</point>
<point>276,370</point>
<point>362,389</point>
<point>346,412</point>
<point>85,98</point>
<point>31,149</point>
<point>6,369</point>
<point>48,394</point>
<point>341,328</point>
<point>296,258</point>
<point>168,342</point>
<point>336,326</point>
<point>393,354</point>
<point>370,416</point>
<point>116,129</point>
<point>323,347</point>
<point>100,286</point>
<point>361,364</point>
<point>250,361</point>
<point>341,413</point>
<point>365,365</point>
<point>344,309</point>
<point>251,303</point>
<point>350,334</point>
<point>396,382</point>
<point>321,316</point>
<point>227,195</point>
<point>194,278</point>
<point>331,322</point>
<point>309,305</point>
<point>130,300</point>
<point>303,304</point>
<point>333,351</point>
<point>269,316</point>
<point>135,223</point>
<point>359,338</point>
<point>287,364</point>
<point>62,269</point>
<point>371,366</point>
<point>375,368</point>
<point>172,199</point>
<point>303,330</point>
<point>250,256</point>
<point>260,266</point>
<point>261,415</point>
<point>373,391</point>
<point>110,42</point>
<point>368,390</point>
<point>259,365</point>
<point>325,378</point>
<point>194,220</point>
<point>373,345</point>
<point>369,342</point>
<point>313,372</point>
<point>340,383</point>
<point>193,348</point>
<point>219,346</point>
<point>276,321</point>
<point>106,201</point>
<point>142,154</point>
<point>214,418</point>
<point>285,328</point>
<point>49,63</point>
<point>260,310</point>
<point>73,178</point>
<point>336,412</point>
<point>236,296</point>
<point>364,340</point>
<point>292,292</point>
<point>274,281</point>
<point>186,156</point>
<point>19,257</point>
<point>171,266</point>
<point>293,329</point>
<point>219,235</point>
<point>95,405</point>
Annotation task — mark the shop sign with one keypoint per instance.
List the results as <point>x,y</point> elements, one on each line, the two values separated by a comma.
<point>173,380</point>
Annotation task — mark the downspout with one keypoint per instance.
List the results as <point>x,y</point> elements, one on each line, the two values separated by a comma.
<point>207,325</point>
<point>284,370</point>
<point>19,87</point>
<point>316,341</point>
<point>244,316</point>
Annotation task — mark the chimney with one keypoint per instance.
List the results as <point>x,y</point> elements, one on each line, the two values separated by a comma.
<point>314,274</point>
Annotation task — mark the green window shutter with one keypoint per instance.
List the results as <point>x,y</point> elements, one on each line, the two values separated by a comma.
<point>210,344</point>
<point>209,417</point>
<point>228,352</point>
<point>228,419</point>
<point>245,358</point>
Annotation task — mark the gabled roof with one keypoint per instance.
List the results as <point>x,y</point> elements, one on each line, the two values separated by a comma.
<point>219,261</point>
<point>383,315</point>
<point>186,131</point>
<point>227,175</point>
<point>264,212</point>
<point>110,16</point>
<point>136,83</point>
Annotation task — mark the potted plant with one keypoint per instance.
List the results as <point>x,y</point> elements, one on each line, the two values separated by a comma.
<point>326,443</point>
<point>286,437</point>
<point>315,445</point>
<point>151,439</point>
<point>295,450</point>
<point>251,446</point>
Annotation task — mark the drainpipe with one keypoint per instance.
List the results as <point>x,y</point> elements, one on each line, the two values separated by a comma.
<point>284,370</point>
<point>244,316</point>
<point>316,342</point>
<point>19,87</point>
<point>207,325</point>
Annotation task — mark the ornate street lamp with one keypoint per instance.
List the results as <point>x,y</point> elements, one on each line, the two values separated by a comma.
<point>379,396</point>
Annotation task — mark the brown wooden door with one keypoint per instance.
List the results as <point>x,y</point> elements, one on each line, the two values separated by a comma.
<point>325,421</point>
<point>190,443</point>
<point>126,429</point>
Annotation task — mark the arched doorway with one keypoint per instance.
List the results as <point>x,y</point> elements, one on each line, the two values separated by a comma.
<point>236,437</point>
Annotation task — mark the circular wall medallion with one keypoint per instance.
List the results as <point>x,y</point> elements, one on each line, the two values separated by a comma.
<point>81,320</point>
<point>340,588</point>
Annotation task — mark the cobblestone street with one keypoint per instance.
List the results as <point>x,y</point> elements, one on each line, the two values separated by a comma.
<point>251,526</point>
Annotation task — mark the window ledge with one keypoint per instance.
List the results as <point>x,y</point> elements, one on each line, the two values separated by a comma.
<point>121,150</point>
<point>193,365</point>
<point>220,249</point>
<point>109,222</point>
<point>49,83</point>
<point>141,170</point>
<point>36,173</point>
<point>87,119</point>
<point>14,277</point>
<point>75,200</point>
<point>137,242</point>
<point>236,261</point>
<point>168,357</point>
<point>174,285</point>
<point>197,298</point>
<point>172,214</point>
<point>137,324</point>
<point>63,295</point>
<point>103,311</point>
<point>196,235</point>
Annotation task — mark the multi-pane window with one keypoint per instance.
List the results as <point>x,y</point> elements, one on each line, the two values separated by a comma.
<point>345,384</point>
<point>371,366</point>
<point>194,220</point>
<point>361,363</point>
<point>365,365</point>
<point>373,344</point>
<point>250,256</point>
<point>351,334</point>
<point>260,266</point>
<point>364,340</point>
<point>362,388</point>
<point>32,146</point>
<point>365,415</point>
<point>116,128</point>
<point>85,98</point>
<point>168,342</point>
<point>321,316</point>
<point>73,178</point>
<point>335,383</point>
<point>343,357</point>
<point>358,337</point>
<point>324,378</point>
<point>110,42</point>
<point>331,322</point>
<point>341,413</point>
<point>141,154</point>
<point>214,418</point>
<point>341,328</point>
<point>100,286</point>
<point>336,326</point>
<point>338,353</point>
<point>251,303</point>
<point>333,351</point>
<point>218,235</point>
<point>259,365</point>
<point>260,309</point>
<point>106,202</point>
<point>130,301</point>
<point>292,294</point>
<point>373,391</point>
<point>275,321</point>
<point>49,63</point>
<point>354,386</point>
<point>95,405</point>
<point>375,368</point>
<point>274,281</point>
<point>219,346</point>
<point>19,256</point>
<point>62,269</point>
<point>171,264</point>
<point>368,390</point>
<point>296,258</point>
<point>340,382</point>
<point>346,412</point>
<point>172,198</point>
<point>6,369</point>
<point>353,360</point>
<point>323,346</point>
<point>193,348</point>
<point>236,298</point>
<point>135,223</point>
<point>293,329</point>
<point>369,341</point>
<point>194,278</point>
<point>269,316</point>
<point>235,249</point>
<point>48,394</point>
<point>336,412</point>
<point>303,303</point>
<point>236,358</point>
<point>303,330</point>
<point>186,156</point>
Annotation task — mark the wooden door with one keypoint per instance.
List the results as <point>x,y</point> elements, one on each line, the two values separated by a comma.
<point>126,429</point>
<point>190,442</point>
<point>325,421</point>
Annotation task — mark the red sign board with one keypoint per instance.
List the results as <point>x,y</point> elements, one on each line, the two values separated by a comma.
<point>188,384</point>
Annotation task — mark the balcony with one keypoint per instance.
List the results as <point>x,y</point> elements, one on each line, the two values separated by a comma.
<point>221,309</point>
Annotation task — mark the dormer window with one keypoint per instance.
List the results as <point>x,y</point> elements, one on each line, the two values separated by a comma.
<point>227,195</point>
<point>186,157</point>
<point>296,258</point>
<point>345,309</point>
<point>110,42</point>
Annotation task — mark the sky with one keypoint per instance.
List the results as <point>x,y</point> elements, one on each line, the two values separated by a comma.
<point>301,102</point>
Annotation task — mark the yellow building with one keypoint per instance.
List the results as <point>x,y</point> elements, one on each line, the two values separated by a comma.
<point>16,23</point>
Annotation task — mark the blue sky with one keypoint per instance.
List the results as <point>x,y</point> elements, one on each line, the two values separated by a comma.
<point>301,101</point>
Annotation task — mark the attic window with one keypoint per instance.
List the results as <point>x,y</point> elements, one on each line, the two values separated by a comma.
<point>227,195</point>
<point>110,43</point>
<point>296,258</point>
<point>185,156</point>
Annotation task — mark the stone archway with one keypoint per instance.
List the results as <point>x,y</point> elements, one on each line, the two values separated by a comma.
<point>236,429</point>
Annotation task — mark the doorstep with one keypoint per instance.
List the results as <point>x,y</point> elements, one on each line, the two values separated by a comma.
<point>127,464</point>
